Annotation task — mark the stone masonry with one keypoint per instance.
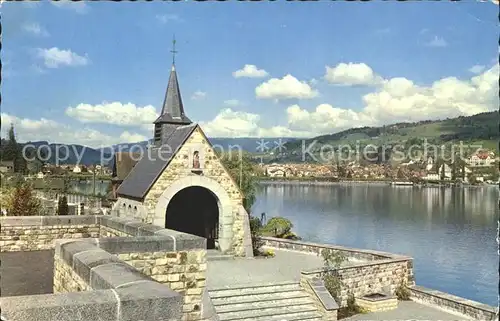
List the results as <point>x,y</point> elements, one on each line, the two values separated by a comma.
<point>179,167</point>
<point>66,279</point>
<point>175,260</point>
<point>183,272</point>
<point>374,272</point>
<point>35,233</point>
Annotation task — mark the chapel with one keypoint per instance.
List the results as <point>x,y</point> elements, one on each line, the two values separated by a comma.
<point>180,183</point>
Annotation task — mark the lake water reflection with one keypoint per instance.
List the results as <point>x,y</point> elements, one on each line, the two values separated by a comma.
<point>450,232</point>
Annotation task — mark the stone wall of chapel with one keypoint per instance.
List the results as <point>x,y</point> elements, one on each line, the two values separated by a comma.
<point>181,166</point>
<point>129,208</point>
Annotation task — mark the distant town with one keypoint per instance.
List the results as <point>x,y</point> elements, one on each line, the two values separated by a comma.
<point>480,167</point>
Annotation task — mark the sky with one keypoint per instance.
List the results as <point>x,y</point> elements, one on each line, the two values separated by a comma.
<point>96,73</point>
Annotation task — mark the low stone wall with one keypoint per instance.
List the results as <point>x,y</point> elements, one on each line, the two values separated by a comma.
<point>66,279</point>
<point>120,254</point>
<point>34,233</point>
<point>316,248</point>
<point>453,304</point>
<point>322,298</point>
<point>92,284</point>
<point>381,271</point>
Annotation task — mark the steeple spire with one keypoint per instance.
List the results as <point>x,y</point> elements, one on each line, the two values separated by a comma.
<point>173,109</point>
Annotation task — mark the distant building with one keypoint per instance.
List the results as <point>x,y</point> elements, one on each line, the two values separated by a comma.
<point>77,169</point>
<point>481,159</point>
<point>7,167</point>
<point>122,165</point>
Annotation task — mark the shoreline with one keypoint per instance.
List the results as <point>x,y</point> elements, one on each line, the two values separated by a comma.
<point>388,183</point>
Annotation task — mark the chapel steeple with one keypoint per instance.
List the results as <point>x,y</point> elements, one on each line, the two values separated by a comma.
<point>172,112</point>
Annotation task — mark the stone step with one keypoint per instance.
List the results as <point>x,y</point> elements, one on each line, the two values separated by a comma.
<point>263,304</point>
<point>250,298</point>
<point>255,289</point>
<point>214,255</point>
<point>290,314</point>
<point>220,257</point>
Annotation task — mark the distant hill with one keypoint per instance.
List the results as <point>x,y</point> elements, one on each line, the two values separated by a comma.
<point>477,129</point>
<point>480,129</point>
<point>69,154</point>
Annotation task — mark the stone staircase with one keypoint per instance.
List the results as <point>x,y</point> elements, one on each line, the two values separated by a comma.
<point>285,301</point>
<point>215,255</point>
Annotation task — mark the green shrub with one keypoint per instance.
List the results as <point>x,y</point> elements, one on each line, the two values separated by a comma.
<point>332,261</point>
<point>291,236</point>
<point>402,292</point>
<point>278,226</point>
<point>255,226</point>
<point>352,307</point>
<point>62,206</point>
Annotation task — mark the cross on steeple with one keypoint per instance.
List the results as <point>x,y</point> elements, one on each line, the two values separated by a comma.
<point>173,51</point>
<point>172,112</point>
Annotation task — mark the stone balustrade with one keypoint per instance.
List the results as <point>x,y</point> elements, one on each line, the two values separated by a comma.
<point>34,233</point>
<point>369,272</point>
<point>453,304</point>
<point>323,300</point>
<point>113,254</point>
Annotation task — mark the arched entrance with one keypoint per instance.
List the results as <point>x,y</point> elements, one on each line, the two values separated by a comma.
<point>194,210</point>
<point>225,218</point>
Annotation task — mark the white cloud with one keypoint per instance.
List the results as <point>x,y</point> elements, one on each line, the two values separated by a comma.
<point>165,18</point>
<point>325,119</point>
<point>35,29</point>
<point>287,87</point>
<point>54,132</point>
<point>55,57</point>
<point>476,69</point>
<point>232,102</point>
<point>229,123</point>
<point>198,95</point>
<point>250,71</point>
<point>127,137</point>
<point>114,113</point>
<point>437,42</point>
<point>352,74</point>
<point>79,7</point>
<point>401,100</point>
<point>396,100</point>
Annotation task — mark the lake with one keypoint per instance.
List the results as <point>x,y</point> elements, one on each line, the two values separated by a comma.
<point>87,187</point>
<point>450,232</point>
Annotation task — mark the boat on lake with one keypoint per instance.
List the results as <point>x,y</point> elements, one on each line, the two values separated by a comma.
<point>401,183</point>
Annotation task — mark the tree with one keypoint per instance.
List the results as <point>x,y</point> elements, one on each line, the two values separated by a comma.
<point>442,177</point>
<point>23,202</point>
<point>13,152</point>
<point>62,206</point>
<point>242,170</point>
<point>255,227</point>
<point>279,226</point>
<point>9,151</point>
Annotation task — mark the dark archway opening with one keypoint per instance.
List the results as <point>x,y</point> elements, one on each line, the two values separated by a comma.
<point>194,210</point>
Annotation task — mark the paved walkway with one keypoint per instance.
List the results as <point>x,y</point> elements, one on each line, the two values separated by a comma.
<point>26,273</point>
<point>285,266</point>
<point>408,310</point>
